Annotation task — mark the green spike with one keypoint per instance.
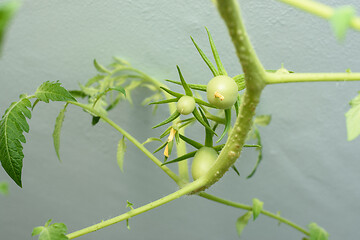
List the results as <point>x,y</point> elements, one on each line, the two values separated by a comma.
<point>216,55</point>
<point>169,119</point>
<point>184,84</point>
<point>206,59</point>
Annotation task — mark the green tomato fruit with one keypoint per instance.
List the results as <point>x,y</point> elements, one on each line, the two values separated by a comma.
<point>185,105</point>
<point>203,160</point>
<point>222,92</point>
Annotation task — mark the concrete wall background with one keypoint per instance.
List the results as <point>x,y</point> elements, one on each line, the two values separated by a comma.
<point>309,171</point>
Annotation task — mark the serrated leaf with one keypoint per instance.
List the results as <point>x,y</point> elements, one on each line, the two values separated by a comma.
<point>262,120</point>
<point>353,119</point>
<point>57,130</point>
<point>55,231</point>
<point>121,149</point>
<point>4,188</point>
<point>220,66</point>
<point>12,126</point>
<point>54,92</point>
<point>257,207</point>
<point>341,21</point>
<point>7,11</point>
<point>242,222</point>
<point>206,59</point>
<point>100,67</point>
<point>317,232</point>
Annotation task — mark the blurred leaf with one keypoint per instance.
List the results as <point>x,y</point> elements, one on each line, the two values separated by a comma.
<point>341,21</point>
<point>257,207</point>
<point>353,119</point>
<point>121,149</point>
<point>240,81</point>
<point>129,205</point>
<point>57,129</point>
<point>100,67</point>
<point>242,222</point>
<point>55,231</point>
<point>4,188</point>
<point>262,120</point>
<point>7,11</point>
<point>317,233</point>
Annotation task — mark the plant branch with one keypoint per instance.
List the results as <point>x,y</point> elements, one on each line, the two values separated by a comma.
<point>273,78</point>
<point>183,191</point>
<point>319,9</point>
<point>249,208</point>
<point>127,135</point>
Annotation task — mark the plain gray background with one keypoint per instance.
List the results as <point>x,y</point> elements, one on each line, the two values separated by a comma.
<point>309,170</point>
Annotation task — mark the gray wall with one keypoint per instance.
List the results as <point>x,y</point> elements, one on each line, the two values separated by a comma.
<point>309,171</point>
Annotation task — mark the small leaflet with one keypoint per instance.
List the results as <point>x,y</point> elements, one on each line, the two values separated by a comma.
<point>317,232</point>
<point>257,207</point>
<point>341,21</point>
<point>353,119</point>
<point>242,222</point>
<point>55,231</point>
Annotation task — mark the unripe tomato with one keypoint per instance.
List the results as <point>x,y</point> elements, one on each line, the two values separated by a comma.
<point>222,92</point>
<point>185,105</point>
<point>203,160</point>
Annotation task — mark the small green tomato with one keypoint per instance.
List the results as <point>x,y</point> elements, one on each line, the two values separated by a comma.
<point>185,105</point>
<point>222,92</point>
<point>203,160</point>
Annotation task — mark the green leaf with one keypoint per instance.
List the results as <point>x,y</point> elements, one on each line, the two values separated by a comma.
<point>121,149</point>
<point>257,207</point>
<point>4,188</point>
<point>184,84</point>
<point>317,233</point>
<point>353,119</point>
<point>240,81</point>
<point>54,92</point>
<point>227,124</point>
<point>242,222</point>
<point>262,120</point>
<point>129,205</point>
<point>12,125</point>
<point>7,11</point>
<point>200,120</point>
<point>191,142</point>
<point>199,87</point>
<point>181,158</point>
<point>118,88</point>
<point>100,67</point>
<point>341,21</point>
<point>55,231</point>
<point>216,55</point>
<point>206,59</point>
<point>257,134</point>
<point>169,119</point>
<point>236,170</point>
<point>56,134</point>
<point>175,94</point>
<point>152,139</point>
<point>165,101</point>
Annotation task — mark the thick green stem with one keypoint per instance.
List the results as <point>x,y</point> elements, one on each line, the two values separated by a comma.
<point>133,140</point>
<point>249,208</point>
<point>272,78</point>
<point>185,190</point>
<point>254,78</point>
<point>319,9</point>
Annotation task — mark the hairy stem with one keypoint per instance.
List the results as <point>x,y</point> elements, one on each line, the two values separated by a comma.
<point>319,9</point>
<point>254,79</point>
<point>249,208</point>
<point>141,147</point>
<point>185,190</point>
<point>272,78</point>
